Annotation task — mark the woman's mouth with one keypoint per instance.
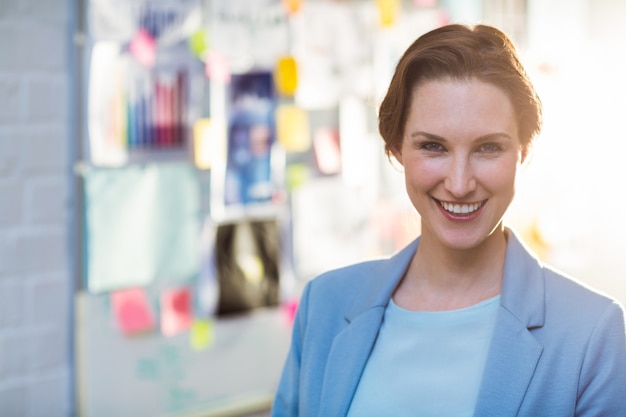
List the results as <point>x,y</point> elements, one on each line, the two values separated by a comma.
<point>460,209</point>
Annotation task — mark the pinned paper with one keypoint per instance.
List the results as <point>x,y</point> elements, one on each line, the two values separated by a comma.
<point>286,76</point>
<point>143,48</point>
<point>216,68</point>
<point>292,6</point>
<point>292,128</point>
<point>176,314</point>
<point>388,11</point>
<point>201,334</point>
<point>247,255</point>
<point>203,149</point>
<point>327,150</point>
<point>132,311</point>
<point>199,43</point>
<point>141,225</point>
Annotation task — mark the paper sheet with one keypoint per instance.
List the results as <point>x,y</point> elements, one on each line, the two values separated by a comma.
<point>142,225</point>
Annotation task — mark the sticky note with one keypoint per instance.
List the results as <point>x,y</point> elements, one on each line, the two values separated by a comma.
<point>216,68</point>
<point>201,334</point>
<point>132,310</point>
<point>388,11</point>
<point>286,76</point>
<point>289,309</point>
<point>176,311</point>
<point>292,6</point>
<point>199,43</point>
<point>297,175</point>
<point>143,48</point>
<point>292,128</point>
<point>203,148</point>
<point>327,150</point>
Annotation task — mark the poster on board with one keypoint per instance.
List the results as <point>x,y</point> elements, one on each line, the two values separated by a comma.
<point>251,136</point>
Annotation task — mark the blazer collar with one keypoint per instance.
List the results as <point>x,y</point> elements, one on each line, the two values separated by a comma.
<point>523,284</point>
<point>514,351</point>
<point>385,276</point>
<point>522,287</point>
<point>352,346</point>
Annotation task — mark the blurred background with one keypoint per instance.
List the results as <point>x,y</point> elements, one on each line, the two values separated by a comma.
<point>172,172</point>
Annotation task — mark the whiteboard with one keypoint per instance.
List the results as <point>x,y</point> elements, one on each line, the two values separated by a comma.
<point>151,375</point>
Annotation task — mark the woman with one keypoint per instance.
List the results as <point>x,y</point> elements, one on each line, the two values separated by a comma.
<point>464,321</point>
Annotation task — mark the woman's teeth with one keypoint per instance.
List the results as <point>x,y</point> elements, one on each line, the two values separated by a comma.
<point>461,208</point>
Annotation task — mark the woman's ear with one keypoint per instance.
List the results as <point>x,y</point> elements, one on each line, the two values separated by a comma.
<point>396,151</point>
<point>526,154</point>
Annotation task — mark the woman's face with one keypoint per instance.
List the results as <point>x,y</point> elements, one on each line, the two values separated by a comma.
<point>460,153</point>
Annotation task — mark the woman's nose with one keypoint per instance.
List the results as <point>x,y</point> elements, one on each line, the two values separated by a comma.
<point>460,180</point>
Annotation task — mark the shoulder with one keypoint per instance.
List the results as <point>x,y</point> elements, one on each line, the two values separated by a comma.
<point>355,288</point>
<point>575,300</point>
<point>541,296</point>
<point>345,283</point>
<point>348,274</point>
<point>370,282</point>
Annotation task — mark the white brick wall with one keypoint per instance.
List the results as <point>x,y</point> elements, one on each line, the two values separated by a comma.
<point>35,186</point>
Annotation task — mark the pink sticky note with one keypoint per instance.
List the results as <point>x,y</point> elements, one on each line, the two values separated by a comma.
<point>132,311</point>
<point>327,150</point>
<point>216,68</point>
<point>176,311</point>
<point>143,48</point>
<point>289,309</point>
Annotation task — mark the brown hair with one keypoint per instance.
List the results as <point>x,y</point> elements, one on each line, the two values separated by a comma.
<point>460,52</point>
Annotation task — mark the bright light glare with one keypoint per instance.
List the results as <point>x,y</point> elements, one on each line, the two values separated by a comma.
<point>571,193</point>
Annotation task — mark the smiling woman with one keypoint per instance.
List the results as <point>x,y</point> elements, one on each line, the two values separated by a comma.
<point>464,321</point>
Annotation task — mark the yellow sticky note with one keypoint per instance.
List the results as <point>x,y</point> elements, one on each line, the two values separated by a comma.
<point>388,11</point>
<point>292,6</point>
<point>286,76</point>
<point>292,128</point>
<point>201,335</point>
<point>297,175</point>
<point>199,43</point>
<point>202,143</point>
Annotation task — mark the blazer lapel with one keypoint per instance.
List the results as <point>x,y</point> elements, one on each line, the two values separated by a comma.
<point>351,348</point>
<point>346,362</point>
<point>514,350</point>
<point>511,364</point>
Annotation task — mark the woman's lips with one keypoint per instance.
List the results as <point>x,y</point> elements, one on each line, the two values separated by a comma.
<point>461,211</point>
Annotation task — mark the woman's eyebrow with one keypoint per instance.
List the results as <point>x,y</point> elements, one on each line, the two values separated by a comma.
<point>492,136</point>
<point>489,136</point>
<point>427,135</point>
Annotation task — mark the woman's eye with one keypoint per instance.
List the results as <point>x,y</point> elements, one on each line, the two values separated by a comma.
<point>490,147</point>
<point>432,147</point>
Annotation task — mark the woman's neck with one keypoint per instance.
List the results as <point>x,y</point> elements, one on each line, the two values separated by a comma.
<point>441,278</point>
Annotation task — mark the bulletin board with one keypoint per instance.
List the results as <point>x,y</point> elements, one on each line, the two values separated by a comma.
<point>209,122</point>
<point>155,376</point>
<point>152,184</point>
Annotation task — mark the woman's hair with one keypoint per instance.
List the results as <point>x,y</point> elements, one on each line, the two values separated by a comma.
<point>460,52</point>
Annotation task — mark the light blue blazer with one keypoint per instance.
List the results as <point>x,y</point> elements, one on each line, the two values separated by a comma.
<point>558,349</point>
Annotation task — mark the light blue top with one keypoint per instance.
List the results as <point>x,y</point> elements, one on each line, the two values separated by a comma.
<point>426,363</point>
